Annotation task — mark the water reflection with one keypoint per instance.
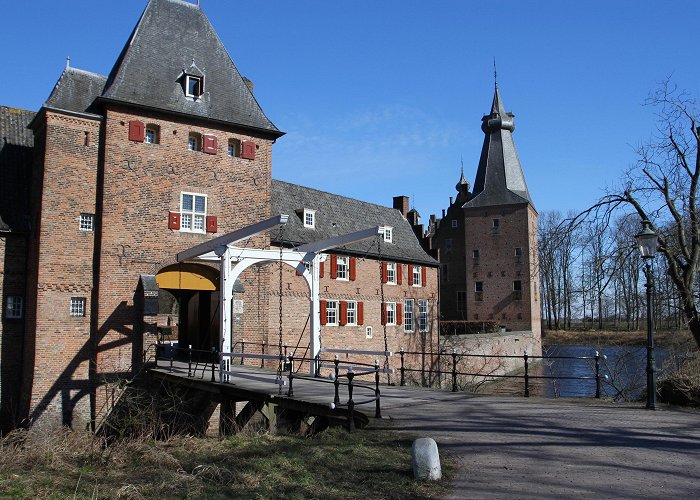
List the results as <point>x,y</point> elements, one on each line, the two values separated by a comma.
<point>625,367</point>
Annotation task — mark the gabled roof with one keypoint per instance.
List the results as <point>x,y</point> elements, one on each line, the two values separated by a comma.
<point>16,144</point>
<point>171,36</point>
<point>499,177</point>
<point>337,215</point>
<point>76,90</point>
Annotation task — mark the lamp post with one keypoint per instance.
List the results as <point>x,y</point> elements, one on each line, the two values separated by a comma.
<point>647,241</point>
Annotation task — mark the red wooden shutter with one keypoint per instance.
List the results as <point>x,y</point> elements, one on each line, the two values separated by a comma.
<point>399,313</point>
<point>248,150</point>
<point>383,313</point>
<point>353,268</point>
<point>209,144</point>
<point>409,274</point>
<point>334,267</point>
<point>211,224</point>
<point>399,279</point>
<point>320,270</point>
<point>423,275</point>
<point>383,271</point>
<point>137,131</point>
<point>343,320</point>
<point>360,313</point>
<point>322,307</point>
<point>174,220</point>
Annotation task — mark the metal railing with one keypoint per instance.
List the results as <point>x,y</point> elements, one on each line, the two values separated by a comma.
<point>224,362</point>
<point>454,373</point>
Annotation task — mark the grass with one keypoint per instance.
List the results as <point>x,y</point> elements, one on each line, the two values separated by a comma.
<point>662,338</point>
<point>335,464</point>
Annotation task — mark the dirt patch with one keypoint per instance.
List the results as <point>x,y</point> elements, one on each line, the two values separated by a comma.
<point>662,338</point>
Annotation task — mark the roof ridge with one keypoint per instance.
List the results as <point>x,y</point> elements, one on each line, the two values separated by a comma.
<point>334,194</point>
<point>79,70</point>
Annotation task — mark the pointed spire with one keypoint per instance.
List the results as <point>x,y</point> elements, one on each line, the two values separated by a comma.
<point>499,177</point>
<point>67,62</point>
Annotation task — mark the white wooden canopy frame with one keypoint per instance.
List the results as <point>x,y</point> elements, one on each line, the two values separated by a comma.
<point>234,260</point>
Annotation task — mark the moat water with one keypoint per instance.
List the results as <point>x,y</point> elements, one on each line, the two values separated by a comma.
<point>625,367</point>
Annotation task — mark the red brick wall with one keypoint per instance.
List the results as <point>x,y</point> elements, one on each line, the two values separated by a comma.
<point>13,255</point>
<point>366,288</point>
<point>498,267</point>
<point>142,183</point>
<point>57,346</point>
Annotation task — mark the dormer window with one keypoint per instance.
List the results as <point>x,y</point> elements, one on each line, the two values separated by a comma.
<point>309,218</point>
<point>388,233</point>
<point>194,86</point>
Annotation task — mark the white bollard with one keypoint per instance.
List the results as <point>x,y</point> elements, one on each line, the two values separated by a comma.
<point>426,459</point>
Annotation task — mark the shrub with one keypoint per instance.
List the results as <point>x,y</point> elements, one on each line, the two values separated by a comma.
<point>468,327</point>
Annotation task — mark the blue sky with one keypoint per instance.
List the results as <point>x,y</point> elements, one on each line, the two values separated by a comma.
<point>384,97</point>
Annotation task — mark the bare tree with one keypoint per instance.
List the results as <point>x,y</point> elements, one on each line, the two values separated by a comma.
<point>662,188</point>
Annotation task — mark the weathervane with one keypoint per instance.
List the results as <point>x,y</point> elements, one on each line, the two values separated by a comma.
<point>495,75</point>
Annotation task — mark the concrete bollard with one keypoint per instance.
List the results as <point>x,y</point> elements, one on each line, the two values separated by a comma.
<point>426,459</point>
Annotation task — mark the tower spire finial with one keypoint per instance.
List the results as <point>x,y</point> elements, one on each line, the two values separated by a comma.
<point>67,62</point>
<point>495,74</point>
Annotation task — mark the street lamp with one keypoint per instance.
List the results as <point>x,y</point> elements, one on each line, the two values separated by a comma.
<point>647,241</point>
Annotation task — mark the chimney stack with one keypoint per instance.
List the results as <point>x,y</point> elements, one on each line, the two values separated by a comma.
<point>248,84</point>
<point>401,204</point>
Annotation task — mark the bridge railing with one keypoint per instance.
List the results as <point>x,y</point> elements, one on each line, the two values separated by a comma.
<point>490,371</point>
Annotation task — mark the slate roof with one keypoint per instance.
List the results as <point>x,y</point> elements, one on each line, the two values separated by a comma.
<point>499,177</point>
<point>337,215</point>
<point>16,143</point>
<point>76,90</point>
<point>170,37</point>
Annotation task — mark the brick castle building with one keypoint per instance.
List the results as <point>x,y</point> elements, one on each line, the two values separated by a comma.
<point>115,174</point>
<point>486,240</point>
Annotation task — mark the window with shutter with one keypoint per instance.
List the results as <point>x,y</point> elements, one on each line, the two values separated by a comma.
<point>209,144</point>
<point>383,318</point>
<point>334,267</point>
<point>423,275</point>
<point>399,313</point>
<point>383,273</point>
<point>360,313</point>
<point>248,150</point>
<point>353,268</point>
<point>399,278</point>
<point>173,220</point>
<point>211,224</point>
<point>343,320</point>
<point>137,131</point>
<point>321,270</point>
<point>322,308</point>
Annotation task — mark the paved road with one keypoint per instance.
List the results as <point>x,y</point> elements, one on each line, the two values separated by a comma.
<point>509,447</point>
<point>543,448</point>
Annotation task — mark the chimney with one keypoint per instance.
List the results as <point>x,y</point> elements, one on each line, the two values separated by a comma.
<point>443,213</point>
<point>451,201</point>
<point>248,84</point>
<point>401,204</point>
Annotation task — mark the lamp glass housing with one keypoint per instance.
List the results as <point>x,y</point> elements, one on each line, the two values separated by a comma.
<point>647,241</point>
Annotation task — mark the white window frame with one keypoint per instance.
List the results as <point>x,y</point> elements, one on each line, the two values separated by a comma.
<point>408,305</point>
<point>368,332</point>
<point>391,273</point>
<point>422,315</point>
<point>417,278</point>
<point>233,150</point>
<point>87,222</point>
<point>390,313</point>
<point>199,79</point>
<point>153,138</point>
<point>518,251</point>
<point>194,142</point>
<point>78,307</point>
<point>309,218</point>
<point>14,308</point>
<point>332,311</point>
<point>342,269</point>
<point>193,214</point>
<point>454,223</point>
<point>388,233</point>
<point>351,312</point>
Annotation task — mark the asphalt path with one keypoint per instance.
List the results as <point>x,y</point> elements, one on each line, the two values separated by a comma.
<point>508,447</point>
